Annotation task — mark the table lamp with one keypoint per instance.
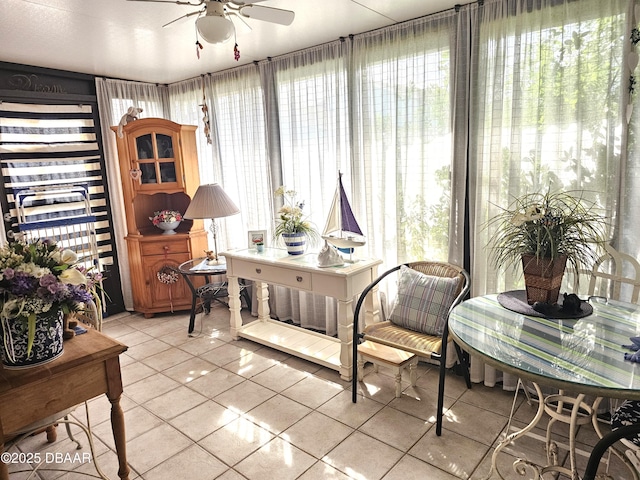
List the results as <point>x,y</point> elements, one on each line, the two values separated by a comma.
<point>211,201</point>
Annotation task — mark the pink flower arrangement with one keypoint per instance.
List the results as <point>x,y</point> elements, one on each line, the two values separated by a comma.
<point>166,216</point>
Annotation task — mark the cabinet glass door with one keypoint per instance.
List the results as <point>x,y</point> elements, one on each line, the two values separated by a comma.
<point>156,159</point>
<point>144,146</point>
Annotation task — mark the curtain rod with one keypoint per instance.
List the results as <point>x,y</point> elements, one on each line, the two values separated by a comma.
<point>456,8</point>
<point>351,36</point>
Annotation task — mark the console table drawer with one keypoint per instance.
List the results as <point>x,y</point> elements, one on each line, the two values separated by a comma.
<point>276,275</point>
<point>162,246</point>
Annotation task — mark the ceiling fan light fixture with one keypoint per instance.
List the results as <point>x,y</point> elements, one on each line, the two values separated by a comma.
<point>214,27</point>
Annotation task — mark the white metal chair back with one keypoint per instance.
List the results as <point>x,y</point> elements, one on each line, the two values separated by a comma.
<point>612,272</point>
<point>62,214</point>
<point>616,275</point>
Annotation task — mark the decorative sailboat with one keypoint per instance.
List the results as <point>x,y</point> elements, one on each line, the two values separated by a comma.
<point>342,229</point>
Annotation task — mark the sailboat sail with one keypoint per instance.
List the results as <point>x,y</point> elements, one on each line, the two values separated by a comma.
<point>342,221</point>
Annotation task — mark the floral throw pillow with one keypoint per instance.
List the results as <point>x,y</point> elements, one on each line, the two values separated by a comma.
<point>423,301</point>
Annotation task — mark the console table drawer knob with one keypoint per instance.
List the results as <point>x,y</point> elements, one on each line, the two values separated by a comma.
<point>299,279</point>
<point>258,270</point>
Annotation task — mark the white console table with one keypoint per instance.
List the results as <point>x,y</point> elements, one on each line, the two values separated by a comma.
<point>275,266</point>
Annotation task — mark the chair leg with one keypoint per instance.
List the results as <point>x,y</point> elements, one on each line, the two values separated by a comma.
<point>413,371</point>
<point>354,368</point>
<point>247,297</point>
<point>513,406</point>
<point>67,425</point>
<point>439,413</point>
<point>52,435</point>
<point>464,361</point>
<point>360,368</point>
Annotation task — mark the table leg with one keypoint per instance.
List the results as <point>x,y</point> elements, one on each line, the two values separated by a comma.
<point>345,335</point>
<point>233,289</point>
<point>192,316</point>
<point>4,470</point>
<point>573,432</point>
<point>517,465</point>
<point>114,392</point>
<point>371,307</point>
<point>262,297</point>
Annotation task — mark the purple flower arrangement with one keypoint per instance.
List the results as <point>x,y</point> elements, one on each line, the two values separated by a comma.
<point>41,277</point>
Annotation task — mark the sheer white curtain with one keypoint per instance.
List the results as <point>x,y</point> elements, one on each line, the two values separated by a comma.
<point>240,149</point>
<point>310,144</point>
<point>546,104</point>
<point>236,158</point>
<point>114,99</point>
<point>629,227</point>
<point>185,102</point>
<point>402,140</point>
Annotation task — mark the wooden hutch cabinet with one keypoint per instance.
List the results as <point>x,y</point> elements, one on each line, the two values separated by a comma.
<point>159,170</point>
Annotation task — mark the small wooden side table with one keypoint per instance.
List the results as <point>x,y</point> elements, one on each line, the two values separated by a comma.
<point>88,367</point>
<point>380,354</point>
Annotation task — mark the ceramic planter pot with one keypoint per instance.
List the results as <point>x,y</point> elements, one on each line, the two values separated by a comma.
<point>296,243</point>
<point>47,344</point>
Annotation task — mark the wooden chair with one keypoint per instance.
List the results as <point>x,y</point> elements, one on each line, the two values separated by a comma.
<point>426,291</point>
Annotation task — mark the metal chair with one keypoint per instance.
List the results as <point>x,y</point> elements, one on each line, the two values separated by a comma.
<point>429,345</point>
<point>63,214</point>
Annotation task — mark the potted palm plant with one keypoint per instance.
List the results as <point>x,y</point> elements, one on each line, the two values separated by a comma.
<point>545,232</point>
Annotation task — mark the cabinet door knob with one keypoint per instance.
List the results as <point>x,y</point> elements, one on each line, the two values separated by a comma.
<point>298,278</point>
<point>166,247</point>
<point>258,270</point>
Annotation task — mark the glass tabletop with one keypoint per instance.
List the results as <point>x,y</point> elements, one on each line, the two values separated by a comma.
<point>585,355</point>
<point>201,266</point>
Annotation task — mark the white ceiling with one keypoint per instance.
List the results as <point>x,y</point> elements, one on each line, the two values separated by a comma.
<point>125,39</point>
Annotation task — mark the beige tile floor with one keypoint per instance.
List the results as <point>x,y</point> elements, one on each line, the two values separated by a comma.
<point>208,407</point>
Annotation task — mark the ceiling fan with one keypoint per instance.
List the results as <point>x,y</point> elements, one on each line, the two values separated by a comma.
<point>214,18</point>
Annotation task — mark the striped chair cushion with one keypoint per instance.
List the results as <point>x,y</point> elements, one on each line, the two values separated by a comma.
<point>423,301</point>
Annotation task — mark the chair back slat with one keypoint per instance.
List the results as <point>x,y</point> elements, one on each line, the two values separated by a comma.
<point>613,270</point>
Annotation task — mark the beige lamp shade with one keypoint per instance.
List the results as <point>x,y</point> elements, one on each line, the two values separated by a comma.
<point>210,201</point>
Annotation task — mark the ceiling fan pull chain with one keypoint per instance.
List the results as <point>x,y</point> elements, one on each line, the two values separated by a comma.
<point>198,44</point>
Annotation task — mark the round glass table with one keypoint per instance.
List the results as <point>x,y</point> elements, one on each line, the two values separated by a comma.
<point>584,355</point>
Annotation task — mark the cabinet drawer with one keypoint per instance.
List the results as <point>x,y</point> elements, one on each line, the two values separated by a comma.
<point>277,275</point>
<point>162,245</point>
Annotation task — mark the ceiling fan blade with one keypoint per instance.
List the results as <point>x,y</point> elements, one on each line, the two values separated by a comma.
<point>245,26</point>
<point>182,17</point>
<point>177,2</point>
<point>241,3</point>
<point>268,14</point>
